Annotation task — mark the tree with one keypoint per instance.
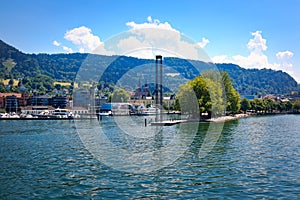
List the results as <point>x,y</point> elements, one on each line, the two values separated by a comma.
<point>269,105</point>
<point>42,83</point>
<point>245,105</point>
<point>210,95</point>
<point>187,102</point>
<point>119,96</point>
<point>199,88</point>
<point>258,105</point>
<point>296,106</point>
<point>2,87</point>
<point>233,97</point>
<point>289,106</point>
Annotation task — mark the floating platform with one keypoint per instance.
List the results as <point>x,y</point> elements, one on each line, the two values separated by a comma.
<point>52,118</point>
<point>167,122</point>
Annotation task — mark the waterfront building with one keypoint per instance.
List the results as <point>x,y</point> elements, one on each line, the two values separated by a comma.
<point>81,98</point>
<point>59,101</point>
<point>11,104</point>
<point>43,100</point>
<point>4,95</point>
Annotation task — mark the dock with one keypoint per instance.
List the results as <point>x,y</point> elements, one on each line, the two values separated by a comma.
<point>167,122</point>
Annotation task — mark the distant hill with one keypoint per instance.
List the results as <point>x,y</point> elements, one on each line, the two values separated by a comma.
<point>15,63</point>
<point>259,81</point>
<point>64,67</point>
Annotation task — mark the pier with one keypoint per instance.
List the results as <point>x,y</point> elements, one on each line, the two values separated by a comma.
<point>167,122</point>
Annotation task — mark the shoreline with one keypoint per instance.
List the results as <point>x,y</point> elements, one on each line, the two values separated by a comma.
<point>229,118</point>
<point>212,120</point>
<point>243,115</point>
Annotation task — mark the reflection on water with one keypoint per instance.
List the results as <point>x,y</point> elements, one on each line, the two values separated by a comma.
<point>257,157</point>
<point>114,144</point>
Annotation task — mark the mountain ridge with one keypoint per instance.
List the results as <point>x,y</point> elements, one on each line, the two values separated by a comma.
<point>64,67</point>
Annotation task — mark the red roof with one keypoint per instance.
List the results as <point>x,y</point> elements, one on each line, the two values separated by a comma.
<point>18,95</point>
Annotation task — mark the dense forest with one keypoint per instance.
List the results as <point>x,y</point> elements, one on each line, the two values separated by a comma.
<point>64,67</point>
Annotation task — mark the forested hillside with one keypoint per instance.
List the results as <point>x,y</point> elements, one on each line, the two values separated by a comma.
<point>64,67</point>
<point>259,81</point>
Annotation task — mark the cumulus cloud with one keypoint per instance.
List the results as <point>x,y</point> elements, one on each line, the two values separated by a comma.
<point>83,37</point>
<point>154,37</point>
<point>285,63</point>
<point>67,49</point>
<point>258,43</point>
<point>221,59</point>
<point>284,55</point>
<point>144,40</point>
<point>203,43</point>
<point>257,57</point>
<point>55,43</point>
<point>151,23</point>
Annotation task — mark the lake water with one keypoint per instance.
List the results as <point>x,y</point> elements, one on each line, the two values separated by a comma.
<point>255,157</point>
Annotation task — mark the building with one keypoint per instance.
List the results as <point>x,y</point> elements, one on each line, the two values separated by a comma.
<point>11,101</point>
<point>43,100</point>
<point>11,104</point>
<point>141,93</point>
<point>59,101</point>
<point>79,111</point>
<point>81,98</point>
<point>117,108</point>
<point>4,95</point>
<point>99,101</point>
<point>34,110</point>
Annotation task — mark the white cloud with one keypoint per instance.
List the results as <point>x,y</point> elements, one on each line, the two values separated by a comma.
<point>84,38</point>
<point>258,43</point>
<point>154,37</point>
<point>144,40</point>
<point>68,49</point>
<point>203,43</point>
<point>285,63</point>
<point>81,50</point>
<point>257,58</point>
<point>150,24</point>
<point>221,59</point>
<point>284,55</point>
<point>55,43</point>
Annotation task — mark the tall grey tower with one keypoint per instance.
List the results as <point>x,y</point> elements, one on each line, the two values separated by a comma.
<point>158,84</point>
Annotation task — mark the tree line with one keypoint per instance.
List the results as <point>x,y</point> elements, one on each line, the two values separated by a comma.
<point>213,94</point>
<point>270,106</point>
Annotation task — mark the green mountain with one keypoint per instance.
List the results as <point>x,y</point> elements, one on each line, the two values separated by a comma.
<point>65,67</point>
<point>15,63</point>
<point>259,81</point>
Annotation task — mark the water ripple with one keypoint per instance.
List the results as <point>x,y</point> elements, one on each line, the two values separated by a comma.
<point>257,157</point>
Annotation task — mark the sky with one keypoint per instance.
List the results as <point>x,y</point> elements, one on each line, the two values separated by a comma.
<point>250,33</point>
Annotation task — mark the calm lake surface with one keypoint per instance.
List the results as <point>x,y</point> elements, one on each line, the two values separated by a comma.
<point>255,157</point>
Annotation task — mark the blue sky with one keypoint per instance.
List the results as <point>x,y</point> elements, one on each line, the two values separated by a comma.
<point>257,33</point>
